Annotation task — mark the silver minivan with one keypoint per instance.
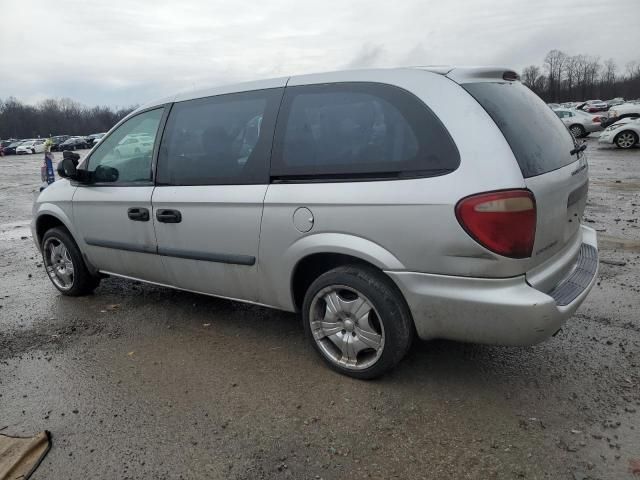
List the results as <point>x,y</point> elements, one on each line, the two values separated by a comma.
<point>381,204</point>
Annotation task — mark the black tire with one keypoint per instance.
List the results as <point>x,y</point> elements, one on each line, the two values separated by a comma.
<point>392,316</point>
<point>83,281</point>
<point>625,135</point>
<point>578,131</point>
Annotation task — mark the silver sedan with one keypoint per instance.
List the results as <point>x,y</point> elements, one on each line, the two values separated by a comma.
<point>579,123</point>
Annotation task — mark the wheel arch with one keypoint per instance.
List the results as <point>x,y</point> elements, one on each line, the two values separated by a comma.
<point>49,217</point>
<point>317,254</point>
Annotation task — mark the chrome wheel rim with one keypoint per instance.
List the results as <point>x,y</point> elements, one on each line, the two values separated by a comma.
<point>626,140</point>
<point>346,327</point>
<point>576,131</point>
<point>58,263</point>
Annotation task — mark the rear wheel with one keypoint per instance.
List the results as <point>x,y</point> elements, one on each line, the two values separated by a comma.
<point>357,321</point>
<point>64,264</point>
<point>577,131</point>
<point>626,139</point>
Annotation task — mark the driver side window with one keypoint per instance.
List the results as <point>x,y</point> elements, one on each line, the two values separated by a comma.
<point>129,148</point>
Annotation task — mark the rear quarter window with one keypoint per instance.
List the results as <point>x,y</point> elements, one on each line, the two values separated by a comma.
<point>538,138</point>
<point>347,130</point>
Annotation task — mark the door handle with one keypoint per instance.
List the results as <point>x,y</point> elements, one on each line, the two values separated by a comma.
<point>168,216</point>
<point>138,214</point>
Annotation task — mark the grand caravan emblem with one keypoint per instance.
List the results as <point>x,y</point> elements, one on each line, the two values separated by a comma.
<point>582,165</point>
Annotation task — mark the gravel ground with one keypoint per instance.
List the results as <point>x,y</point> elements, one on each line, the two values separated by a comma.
<point>138,381</point>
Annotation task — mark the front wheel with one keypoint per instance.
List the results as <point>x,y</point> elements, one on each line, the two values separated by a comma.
<point>626,139</point>
<point>64,264</point>
<point>358,321</point>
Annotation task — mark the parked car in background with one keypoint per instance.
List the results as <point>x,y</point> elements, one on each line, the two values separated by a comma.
<point>32,146</point>
<point>73,143</point>
<point>579,123</point>
<point>57,141</point>
<point>357,198</point>
<point>615,101</point>
<point>11,148</point>
<point>625,110</point>
<point>94,138</point>
<point>570,104</point>
<point>5,143</point>
<point>593,106</point>
<point>133,145</point>
<point>625,133</point>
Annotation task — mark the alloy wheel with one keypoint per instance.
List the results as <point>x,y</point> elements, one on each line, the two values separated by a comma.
<point>58,263</point>
<point>346,327</point>
<point>626,140</point>
<point>576,131</point>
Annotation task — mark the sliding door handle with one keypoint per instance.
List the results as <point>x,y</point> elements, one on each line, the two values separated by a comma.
<point>168,216</point>
<point>138,214</point>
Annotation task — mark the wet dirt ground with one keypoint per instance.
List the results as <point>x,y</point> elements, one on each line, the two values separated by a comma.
<point>138,381</point>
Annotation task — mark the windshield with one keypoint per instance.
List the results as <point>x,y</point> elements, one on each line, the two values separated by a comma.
<point>538,138</point>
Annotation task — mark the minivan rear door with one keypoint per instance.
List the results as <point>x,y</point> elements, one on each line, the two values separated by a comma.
<point>553,169</point>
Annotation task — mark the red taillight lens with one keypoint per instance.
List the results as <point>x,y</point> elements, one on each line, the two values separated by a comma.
<point>597,119</point>
<point>504,222</point>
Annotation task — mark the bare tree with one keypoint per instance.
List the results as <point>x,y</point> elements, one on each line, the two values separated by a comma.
<point>554,64</point>
<point>571,75</point>
<point>609,73</point>
<point>633,70</point>
<point>529,76</point>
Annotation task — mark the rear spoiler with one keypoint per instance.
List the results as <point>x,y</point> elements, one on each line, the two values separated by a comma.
<point>475,74</point>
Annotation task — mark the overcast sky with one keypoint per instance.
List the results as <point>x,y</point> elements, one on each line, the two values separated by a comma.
<point>121,52</point>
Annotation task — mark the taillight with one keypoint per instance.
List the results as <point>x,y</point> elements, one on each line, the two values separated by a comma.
<point>597,119</point>
<point>503,222</point>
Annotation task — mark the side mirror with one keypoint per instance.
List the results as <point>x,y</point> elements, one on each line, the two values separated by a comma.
<point>67,169</point>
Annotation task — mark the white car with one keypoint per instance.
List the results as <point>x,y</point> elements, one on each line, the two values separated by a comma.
<point>579,123</point>
<point>623,134</point>
<point>134,145</point>
<point>32,146</point>
<point>629,109</point>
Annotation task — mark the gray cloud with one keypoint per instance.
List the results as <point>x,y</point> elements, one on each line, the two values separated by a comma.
<point>121,52</point>
<point>368,56</point>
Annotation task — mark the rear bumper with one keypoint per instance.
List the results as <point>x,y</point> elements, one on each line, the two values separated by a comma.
<point>505,311</point>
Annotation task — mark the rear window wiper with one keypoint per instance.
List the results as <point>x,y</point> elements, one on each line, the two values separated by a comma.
<point>578,149</point>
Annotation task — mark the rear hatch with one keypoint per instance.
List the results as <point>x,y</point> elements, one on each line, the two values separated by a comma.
<point>543,147</point>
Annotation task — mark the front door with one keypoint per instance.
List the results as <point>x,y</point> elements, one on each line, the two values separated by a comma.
<point>211,181</point>
<point>114,215</point>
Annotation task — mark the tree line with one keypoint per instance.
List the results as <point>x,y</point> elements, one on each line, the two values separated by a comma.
<point>565,78</point>
<point>55,117</point>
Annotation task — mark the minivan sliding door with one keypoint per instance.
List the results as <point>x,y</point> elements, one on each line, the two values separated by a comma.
<point>212,178</point>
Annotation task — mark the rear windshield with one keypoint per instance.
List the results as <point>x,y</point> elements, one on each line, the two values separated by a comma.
<point>539,140</point>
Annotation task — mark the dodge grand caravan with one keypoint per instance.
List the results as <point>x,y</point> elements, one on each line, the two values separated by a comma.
<point>381,204</point>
